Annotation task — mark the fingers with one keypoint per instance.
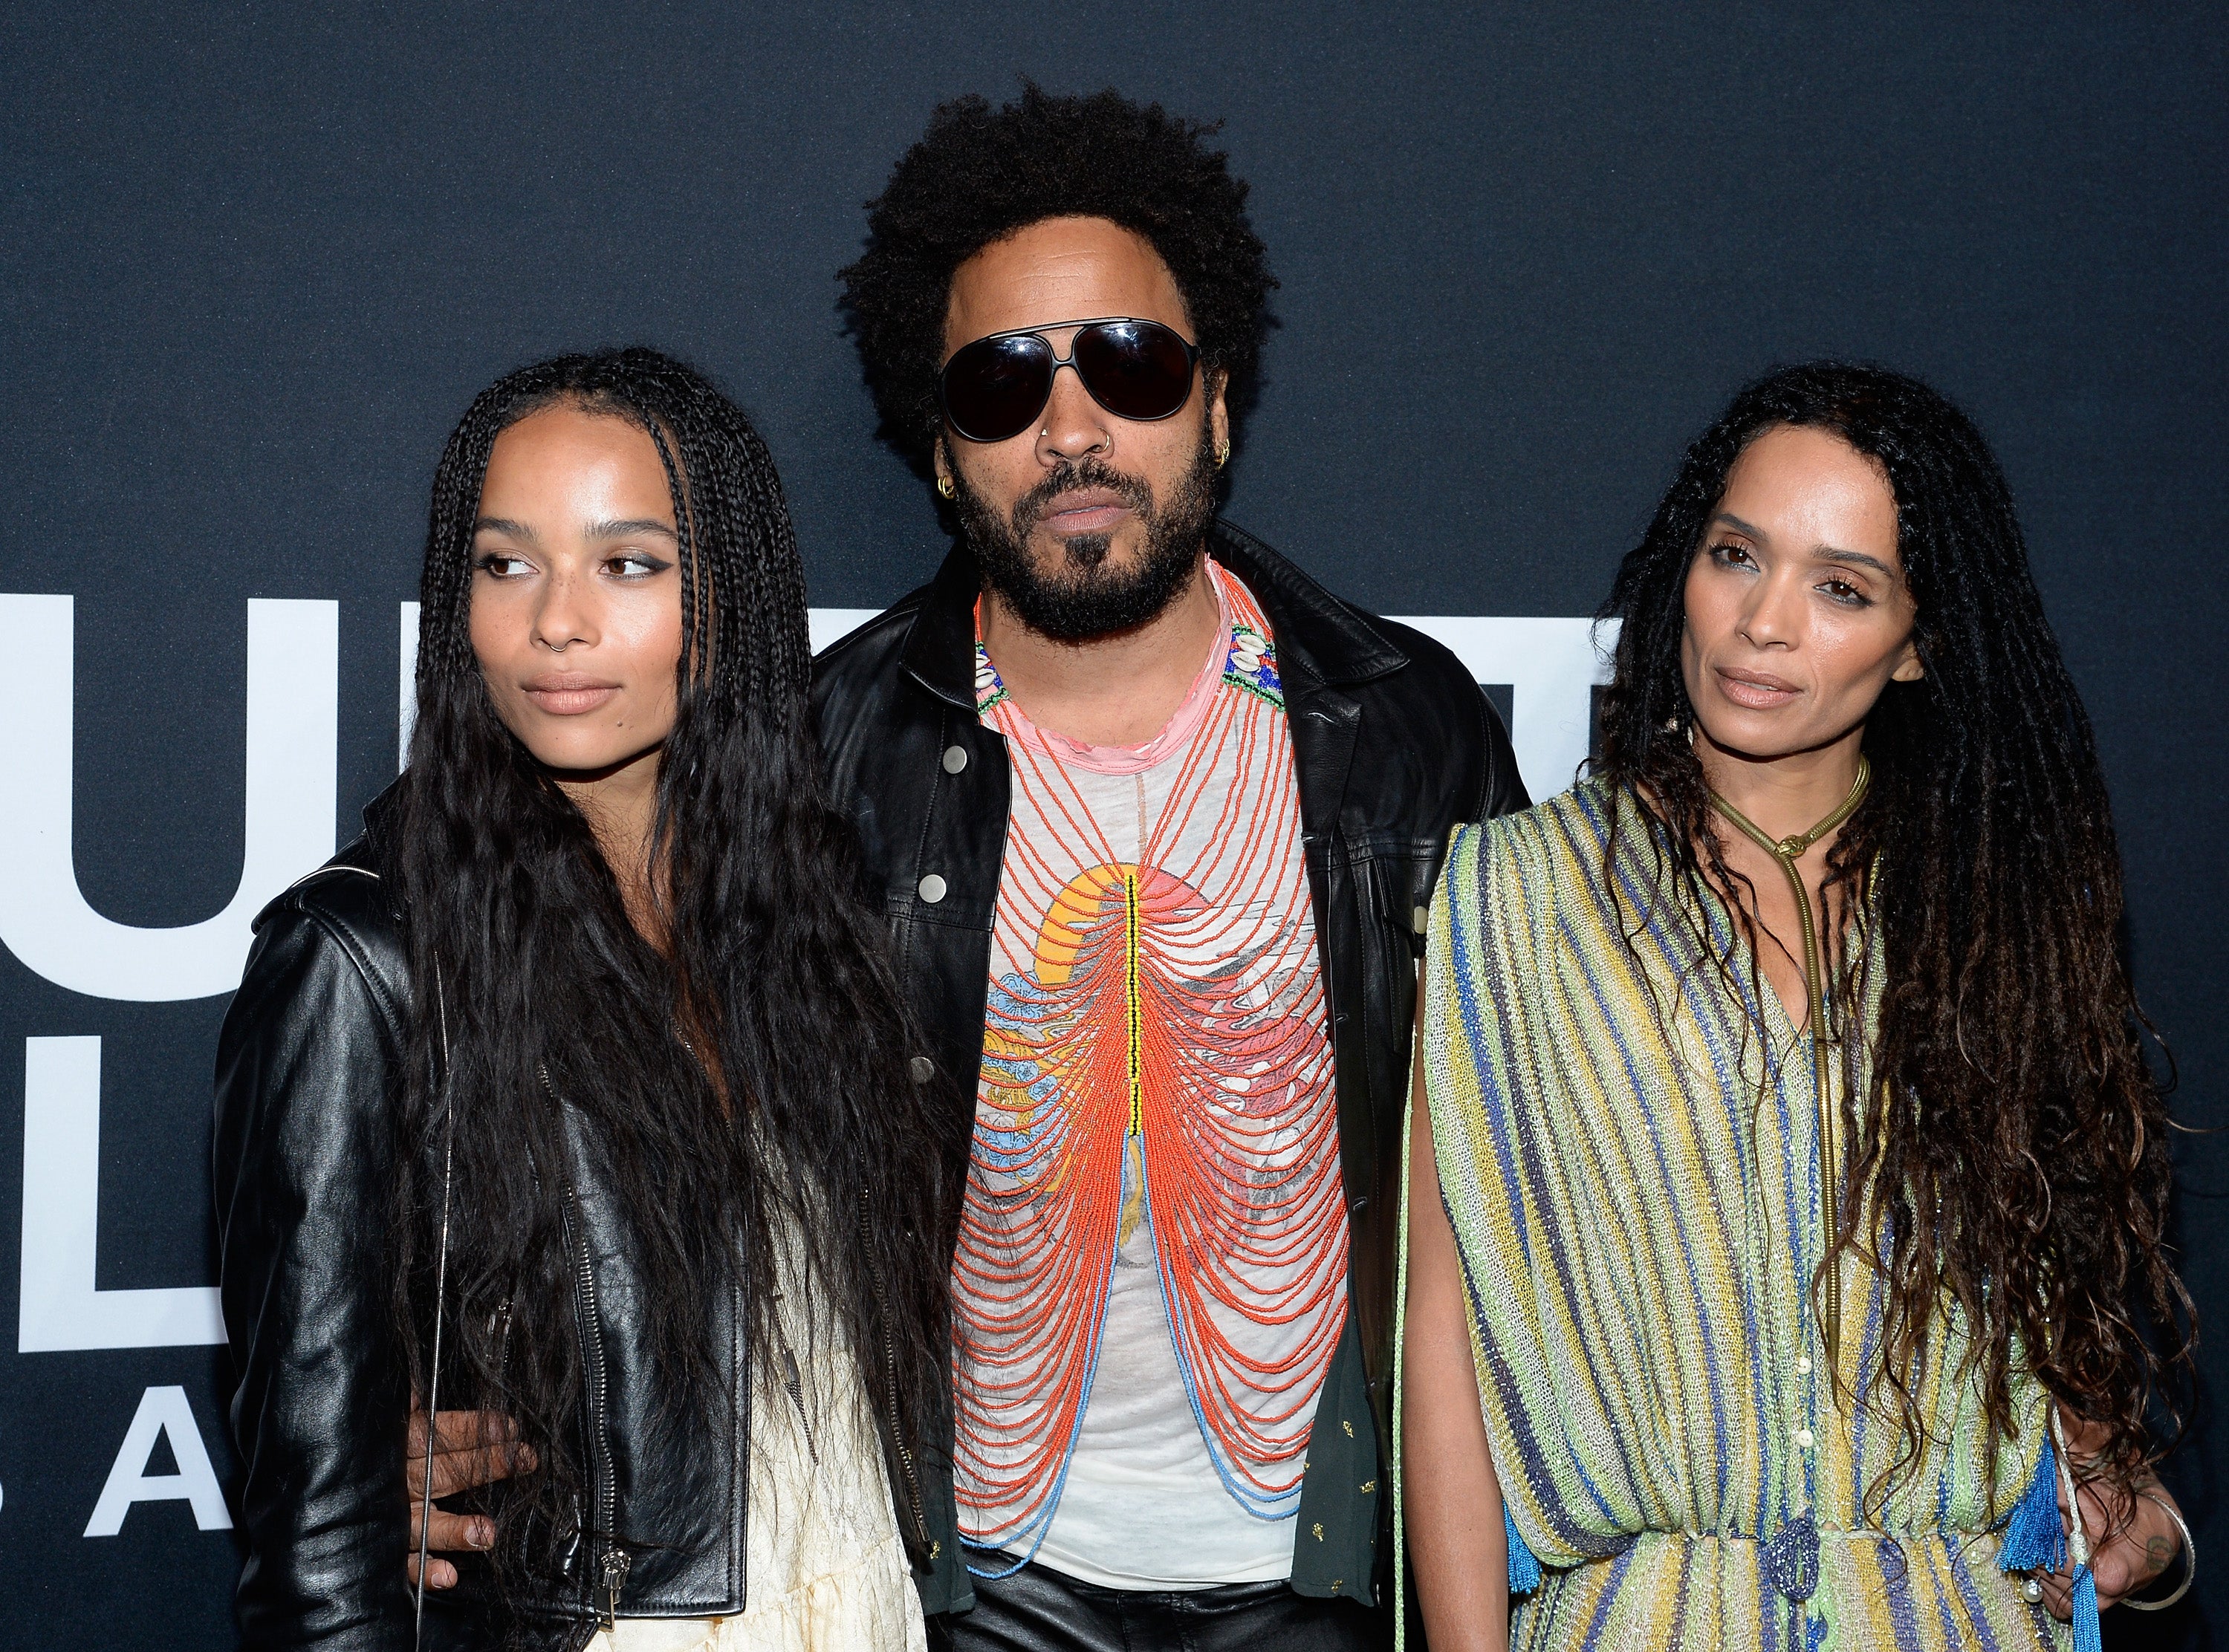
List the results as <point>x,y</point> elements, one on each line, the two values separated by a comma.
<point>463,1470</point>
<point>451,1533</point>
<point>446,1531</point>
<point>460,1430</point>
<point>471,1448</point>
<point>2131,1540</point>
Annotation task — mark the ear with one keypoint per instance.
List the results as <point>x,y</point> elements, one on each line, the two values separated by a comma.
<point>1213,382</point>
<point>1908,666</point>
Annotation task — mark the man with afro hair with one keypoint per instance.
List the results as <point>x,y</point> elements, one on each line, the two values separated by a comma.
<point>1156,818</point>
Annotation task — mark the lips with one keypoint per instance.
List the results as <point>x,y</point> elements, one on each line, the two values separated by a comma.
<point>1758,690</point>
<point>1754,689</point>
<point>1084,510</point>
<point>569,693</point>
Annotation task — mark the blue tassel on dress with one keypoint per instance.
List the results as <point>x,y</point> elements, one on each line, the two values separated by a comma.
<point>2035,1536</point>
<point>2086,1633</point>
<point>1524,1569</point>
<point>2035,1540</point>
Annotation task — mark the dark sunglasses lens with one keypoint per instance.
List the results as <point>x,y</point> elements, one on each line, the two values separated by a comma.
<point>1135,369</point>
<point>994,387</point>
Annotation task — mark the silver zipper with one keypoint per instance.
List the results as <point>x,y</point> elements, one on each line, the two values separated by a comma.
<point>891,1388</point>
<point>616,1560</point>
<point>905,1458</point>
<point>794,1383</point>
<point>499,1330</point>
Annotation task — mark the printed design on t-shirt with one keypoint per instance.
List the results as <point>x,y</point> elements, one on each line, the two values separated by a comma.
<point>989,691</point>
<point>1253,664</point>
<point>1161,1059</point>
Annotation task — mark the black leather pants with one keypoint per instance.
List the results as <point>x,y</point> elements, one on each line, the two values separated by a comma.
<point>1038,1610</point>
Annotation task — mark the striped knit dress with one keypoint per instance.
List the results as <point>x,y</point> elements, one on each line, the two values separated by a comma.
<point>1627,1151</point>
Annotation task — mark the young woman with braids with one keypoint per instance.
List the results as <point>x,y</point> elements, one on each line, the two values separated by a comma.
<point>1788,1177</point>
<point>576,1090</point>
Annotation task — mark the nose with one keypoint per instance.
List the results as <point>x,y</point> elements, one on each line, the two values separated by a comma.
<point>566,614</point>
<point>1773,616</point>
<point>1072,424</point>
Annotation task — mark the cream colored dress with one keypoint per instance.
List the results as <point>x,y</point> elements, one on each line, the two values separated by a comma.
<point>827,1572</point>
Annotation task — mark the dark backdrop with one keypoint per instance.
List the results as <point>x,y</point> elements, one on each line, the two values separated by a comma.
<point>253,262</point>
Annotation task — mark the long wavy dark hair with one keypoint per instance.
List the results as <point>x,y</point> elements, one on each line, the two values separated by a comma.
<point>2010,1158</point>
<point>525,964</point>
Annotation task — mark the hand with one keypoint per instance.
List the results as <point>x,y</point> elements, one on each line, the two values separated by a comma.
<point>471,1448</point>
<point>2132,1542</point>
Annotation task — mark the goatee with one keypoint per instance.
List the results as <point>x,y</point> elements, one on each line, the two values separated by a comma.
<point>1087,598</point>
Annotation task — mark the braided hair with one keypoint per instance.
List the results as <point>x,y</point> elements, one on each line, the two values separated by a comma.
<point>2013,1148</point>
<point>533,984</point>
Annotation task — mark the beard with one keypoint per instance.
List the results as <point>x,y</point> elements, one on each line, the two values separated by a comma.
<point>1086,598</point>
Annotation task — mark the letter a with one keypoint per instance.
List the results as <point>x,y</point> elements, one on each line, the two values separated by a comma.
<point>162,1410</point>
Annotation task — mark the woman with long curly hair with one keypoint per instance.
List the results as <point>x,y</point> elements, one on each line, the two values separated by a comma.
<point>576,1093</point>
<point>1788,1180</point>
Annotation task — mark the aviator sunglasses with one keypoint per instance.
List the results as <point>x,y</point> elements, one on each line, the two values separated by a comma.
<point>996,386</point>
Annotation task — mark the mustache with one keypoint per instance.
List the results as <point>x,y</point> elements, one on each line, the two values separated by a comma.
<point>1084,473</point>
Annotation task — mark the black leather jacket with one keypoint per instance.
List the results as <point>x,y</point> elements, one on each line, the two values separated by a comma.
<point>307,1072</point>
<point>1394,744</point>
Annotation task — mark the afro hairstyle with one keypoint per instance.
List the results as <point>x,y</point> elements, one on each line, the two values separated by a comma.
<point>979,174</point>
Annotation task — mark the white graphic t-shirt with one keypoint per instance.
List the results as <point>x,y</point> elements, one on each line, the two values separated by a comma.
<point>1151,1276</point>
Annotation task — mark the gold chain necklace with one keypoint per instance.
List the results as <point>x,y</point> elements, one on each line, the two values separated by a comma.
<point>1788,851</point>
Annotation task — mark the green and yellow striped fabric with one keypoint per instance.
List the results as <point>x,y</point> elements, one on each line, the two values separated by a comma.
<point>1627,1149</point>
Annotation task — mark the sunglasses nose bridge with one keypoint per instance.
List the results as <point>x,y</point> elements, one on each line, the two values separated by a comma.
<point>1051,363</point>
<point>1073,417</point>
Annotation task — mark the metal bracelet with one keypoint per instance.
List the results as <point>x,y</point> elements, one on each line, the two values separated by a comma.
<point>2189,1560</point>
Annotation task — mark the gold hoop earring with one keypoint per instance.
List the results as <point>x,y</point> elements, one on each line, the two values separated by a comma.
<point>944,486</point>
<point>1223,456</point>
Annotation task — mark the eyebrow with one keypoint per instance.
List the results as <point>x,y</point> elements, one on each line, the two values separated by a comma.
<point>630,528</point>
<point>625,529</point>
<point>1819,553</point>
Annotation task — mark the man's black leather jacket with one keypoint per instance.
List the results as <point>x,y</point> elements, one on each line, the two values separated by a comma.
<point>307,1074</point>
<point>1394,743</point>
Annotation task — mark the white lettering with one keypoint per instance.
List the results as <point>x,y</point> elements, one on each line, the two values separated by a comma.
<point>162,1410</point>
<point>1551,665</point>
<point>293,691</point>
<point>832,625</point>
<point>59,1308</point>
<point>409,687</point>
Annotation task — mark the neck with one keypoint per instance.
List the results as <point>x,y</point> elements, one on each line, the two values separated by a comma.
<point>1118,689</point>
<point>1785,796</point>
<point>620,805</point>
